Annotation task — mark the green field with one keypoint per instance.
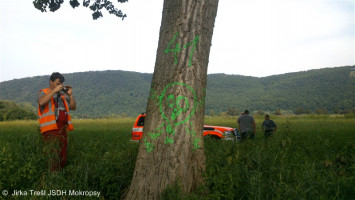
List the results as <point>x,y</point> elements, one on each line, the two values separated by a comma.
<point>310,157</point>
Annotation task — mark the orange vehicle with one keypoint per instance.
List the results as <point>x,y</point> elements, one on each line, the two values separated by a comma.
<point>217,132</point>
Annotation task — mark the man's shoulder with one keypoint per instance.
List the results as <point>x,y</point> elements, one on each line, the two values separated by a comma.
<point>42,92</point>
<point>250,117</point>
<point>246,117</point>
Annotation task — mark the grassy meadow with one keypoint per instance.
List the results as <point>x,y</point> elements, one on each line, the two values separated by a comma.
<point>309,157</point>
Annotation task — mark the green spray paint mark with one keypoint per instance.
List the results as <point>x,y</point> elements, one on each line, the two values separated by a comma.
<point>195,140</point>
<point>175,50</point>
<point>176,105</point>
<point>177,109</point>
<point>178,49</point>
<point>155,135</point>
<point>194,42</point>
<point>148,146</point>
<point>196,145</point>
<point>169,140</point>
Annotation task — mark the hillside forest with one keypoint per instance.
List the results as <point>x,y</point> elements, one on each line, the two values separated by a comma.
<point>121,93</point>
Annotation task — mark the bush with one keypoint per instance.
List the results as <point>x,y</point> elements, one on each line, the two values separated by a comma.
<point>10,111</point>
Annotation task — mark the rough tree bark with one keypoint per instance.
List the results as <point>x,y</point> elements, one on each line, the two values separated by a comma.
<point>171,150</point>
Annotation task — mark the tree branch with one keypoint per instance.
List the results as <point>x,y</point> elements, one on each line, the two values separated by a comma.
<point>96,6</point>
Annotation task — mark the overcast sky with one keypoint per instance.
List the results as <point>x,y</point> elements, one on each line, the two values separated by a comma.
<point>251,37</point>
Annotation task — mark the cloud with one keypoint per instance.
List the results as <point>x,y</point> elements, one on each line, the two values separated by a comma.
<point>262,38</point>
<point>68,40</point>
<point>255,38</point>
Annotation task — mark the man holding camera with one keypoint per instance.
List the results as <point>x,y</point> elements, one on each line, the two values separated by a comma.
<point>54,104</point>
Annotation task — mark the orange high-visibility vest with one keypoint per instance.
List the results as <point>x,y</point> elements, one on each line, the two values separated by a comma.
<point>47,121</point>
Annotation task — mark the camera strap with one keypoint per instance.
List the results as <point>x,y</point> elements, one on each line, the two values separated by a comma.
<point>58,95</point>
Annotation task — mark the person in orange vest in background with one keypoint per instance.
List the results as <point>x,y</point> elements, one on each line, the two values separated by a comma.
<point>54,104</point>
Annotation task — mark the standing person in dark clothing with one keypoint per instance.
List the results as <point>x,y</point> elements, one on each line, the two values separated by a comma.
<point>54,104</point>
<point>269,126</point>
<point>246,126</point>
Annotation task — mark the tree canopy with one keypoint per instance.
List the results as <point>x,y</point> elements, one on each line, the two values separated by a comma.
<point>96,6</point>
<point>11,111</point>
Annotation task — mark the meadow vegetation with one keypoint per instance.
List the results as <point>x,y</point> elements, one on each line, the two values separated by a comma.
<point>309,157</point>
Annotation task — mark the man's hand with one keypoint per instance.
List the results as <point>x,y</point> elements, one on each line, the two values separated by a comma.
<point>72,105</point>
<point>70,91</point>
<point>58,88</point>
<point>46,98</point>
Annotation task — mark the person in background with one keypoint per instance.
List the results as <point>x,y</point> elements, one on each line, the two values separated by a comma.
<point>246,126</point>
<point>269,126</point>
<point>54,104</point>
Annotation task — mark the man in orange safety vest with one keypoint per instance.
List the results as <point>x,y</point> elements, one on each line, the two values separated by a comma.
<point>54,104</point>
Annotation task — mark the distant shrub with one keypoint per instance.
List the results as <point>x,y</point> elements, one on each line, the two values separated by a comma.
<point>278,112</point>
<point>10,111</point>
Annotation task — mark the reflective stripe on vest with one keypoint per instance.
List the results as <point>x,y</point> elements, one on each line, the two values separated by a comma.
<point>47,120</point>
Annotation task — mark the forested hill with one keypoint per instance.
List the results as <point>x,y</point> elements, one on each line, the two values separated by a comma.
<point>105,93</point>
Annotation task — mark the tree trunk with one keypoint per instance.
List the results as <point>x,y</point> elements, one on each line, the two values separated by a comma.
<point>171,150</point>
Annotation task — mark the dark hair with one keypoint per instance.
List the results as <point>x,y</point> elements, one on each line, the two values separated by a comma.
<point>57,75</point>
<point>246,111</point>
<point>267,115</point>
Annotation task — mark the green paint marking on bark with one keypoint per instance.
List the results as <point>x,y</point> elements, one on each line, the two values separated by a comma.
<point>177,106</point>
<point>148,146</point>
<point>194,42</point>
<point>175,50</point>
<point>178,49</point>
<point>196,145</point>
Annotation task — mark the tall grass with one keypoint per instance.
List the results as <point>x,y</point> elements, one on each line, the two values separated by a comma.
<point>100,158</point>
<point>309,157</point>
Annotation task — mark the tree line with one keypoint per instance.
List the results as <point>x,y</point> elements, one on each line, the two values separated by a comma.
<point>121,93</point>
<point>9,111</point>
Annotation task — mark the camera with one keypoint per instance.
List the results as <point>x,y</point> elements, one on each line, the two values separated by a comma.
<point>65,89</point>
